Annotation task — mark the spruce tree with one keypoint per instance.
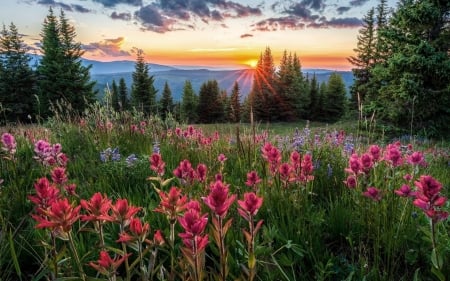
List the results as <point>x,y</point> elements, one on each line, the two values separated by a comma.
<point>189,103</point>
<point>210,108</point>
<point>166,101</point>
<point>123,95</point>
<point>335,100</point>
<point>115,96</point>
<point>17,79</point>
<point>143,92</point>
<point>62,77</point>
<point>313,98</point>
<point>414,81</point>
<point>235,105</point>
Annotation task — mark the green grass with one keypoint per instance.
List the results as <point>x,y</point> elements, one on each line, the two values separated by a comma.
<point>321,230</point>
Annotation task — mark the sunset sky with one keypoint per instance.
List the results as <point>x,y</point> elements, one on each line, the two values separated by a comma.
<point>213,33</point>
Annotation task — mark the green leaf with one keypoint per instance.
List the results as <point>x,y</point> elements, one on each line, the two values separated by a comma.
<point>14,255</point>
<point>438,273</point>
<point>436,259</point>
<point>251,261</point>
<point>416,275</point>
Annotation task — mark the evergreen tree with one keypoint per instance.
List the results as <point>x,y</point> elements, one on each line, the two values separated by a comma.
<point>115,96</point>
<point>143,92</point>
<point>210,108</point>
<point>263,93</point>
<point>286,93</point>
<point>61,74</point>
<point>166,101</point>
<point>415,78</point>
<point>189,103</point>
<point>300,93</point>
<point>235,106</point>
<point>313,98</point>
<point>334,106</point>
<point>17,79</point>
<point>123,95</point>
<point>320,113</point>
<point>364,59</point>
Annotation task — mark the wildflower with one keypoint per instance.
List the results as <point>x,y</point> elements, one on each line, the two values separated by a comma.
<point>58,175</point>
<point>106,265</point>
<point>201,172</point>
<point>46,194</point>
<point>285,171</point>
<point>156,148</point>
<point>172,203</point>
<point>70,189</point>
<point>252,179</point>
<point>60,216</point>
<point>407,177</point>
<point>158,238</point>
<point>428,198</point>
<point>393,155</point>
<point>138,232</point>
<point>354,164</point>
<point>416,158</point>
<point>97,208</point>
<point>375,152</point>
<point>250,205</point>
<point>218,199</point>
<point>193,222</point>
<point>329,170</point>
<point>131,159</point>
<point>185,172</point>
<point>157,164</point>
<point>122,212</point>
<point>8,143</point>
<point>366,162</point>
<point>351,181</point>
<point>405,191</point>
<point>373,193</point>
<point>115,154</point>
<point>222,158</point>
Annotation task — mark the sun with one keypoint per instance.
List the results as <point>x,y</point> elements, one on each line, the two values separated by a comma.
<point>252,63</point>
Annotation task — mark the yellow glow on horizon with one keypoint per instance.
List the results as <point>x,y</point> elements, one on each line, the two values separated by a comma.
<point>252,63</point>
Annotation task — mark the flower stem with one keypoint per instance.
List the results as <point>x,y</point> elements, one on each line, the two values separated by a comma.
<point>75,254</point>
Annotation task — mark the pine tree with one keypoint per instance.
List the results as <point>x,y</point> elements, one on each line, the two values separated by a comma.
<point>210,108</point>
<point>313,98</point>
<point>115,96</point>
<point>166,101</point>
<point>17,80</point>
<point>62,77</point>
<point>123,95</point>
<point>334,107</point>
<point>143,92</point>
<point>263,91</point>
<point>321,100</point>
<point>414,81</point>
<point>235,105</point>
<point>189,103</point>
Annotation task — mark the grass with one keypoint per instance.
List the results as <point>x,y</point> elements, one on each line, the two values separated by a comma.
<point>318,230</point>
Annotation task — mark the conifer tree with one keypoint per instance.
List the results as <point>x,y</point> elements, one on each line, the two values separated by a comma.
<point>189,103</point>
<point>17,79</point>
<point>123,95</point>
<point>210,107</point>
<point>143,92</point>
<point>235,105</point>
<point>61,74</point>
<point>115,96</point>
<point>166,101</point>
<point>313,98</point>
<point>334,106</point>
<point>320,113</point>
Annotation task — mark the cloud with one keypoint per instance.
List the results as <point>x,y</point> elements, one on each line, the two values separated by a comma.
<point>356,3</point>
<point>65,7</point>
<point>282,23</point>
<point>338,23</point>
<point>246,35</point>
<point>107,47</point>
<point>314,4</point>
<point>112,3</point>
<point>342,10</point>
<point>152,20</point>
<point>120,16</point>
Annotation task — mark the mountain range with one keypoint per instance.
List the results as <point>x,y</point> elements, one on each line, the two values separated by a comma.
<point>105,72</point>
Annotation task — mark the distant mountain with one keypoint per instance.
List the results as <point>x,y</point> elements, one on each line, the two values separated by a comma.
<point>105,72</point>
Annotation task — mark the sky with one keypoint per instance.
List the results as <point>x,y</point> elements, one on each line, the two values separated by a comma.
<point>212,33</point>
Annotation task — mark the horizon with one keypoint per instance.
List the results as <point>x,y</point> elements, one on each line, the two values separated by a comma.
<point>212,34</point>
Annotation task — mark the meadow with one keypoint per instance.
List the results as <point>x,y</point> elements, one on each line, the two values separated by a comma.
<point>122,197</point>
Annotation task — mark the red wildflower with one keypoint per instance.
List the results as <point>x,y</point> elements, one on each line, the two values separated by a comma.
<point>354,164</point>
<point>250,205</point>
<point>252,179</point>
<point>285,171</point>
<point>366,162</point>
<point>393,155</point>
<point>158,238</point>
<point>172,203</point>
<point>106,265</point>
<point>97,208</point>
<point>428,198</point>
<point>218,199</point>
<point>193,223</point>
<point>351,181</point>
<point>138,232</point>
<point>157,164</point>
<point>375,152</point>
<point>416,158</point>
<point>46,194</point>
<point>122,212</point>
<point>185,172</point>
<point>59,216</point>
<point>201,172</point>
<point>58,175</point>
<point>405,191</point>
<point>373,193</point>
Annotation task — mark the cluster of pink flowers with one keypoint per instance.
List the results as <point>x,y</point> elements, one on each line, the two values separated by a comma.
<point>48,154</point>
<point>157,164</point>
<point>140,128</point>
<point>299,169</point>
<point>189,175</point>
<point>194,224</point>
<point>193,135</point>
<point>8,145</point>
<point>429,199</point>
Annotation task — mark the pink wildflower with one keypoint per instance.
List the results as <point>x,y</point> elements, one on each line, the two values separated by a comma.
<point>218,199</point>
<point>405,191</point>
<point>351,181</point>
<point>252,179</point>
<point>373,193</point>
